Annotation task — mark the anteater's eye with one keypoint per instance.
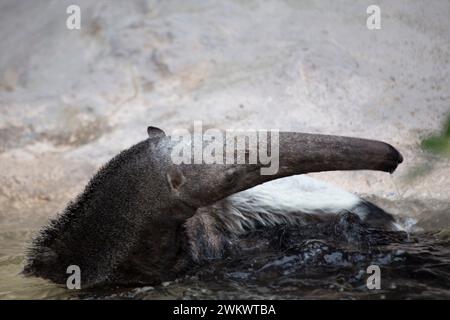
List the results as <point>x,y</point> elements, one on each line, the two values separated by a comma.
<point>231,175</point>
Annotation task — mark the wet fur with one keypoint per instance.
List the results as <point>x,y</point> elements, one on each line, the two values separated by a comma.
<point>110,228</point>
<point>292,201</point>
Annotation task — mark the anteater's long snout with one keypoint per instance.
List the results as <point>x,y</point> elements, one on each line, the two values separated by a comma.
<point>301,153</point>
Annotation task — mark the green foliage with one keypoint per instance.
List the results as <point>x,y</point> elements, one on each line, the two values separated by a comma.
<point>439,144</point>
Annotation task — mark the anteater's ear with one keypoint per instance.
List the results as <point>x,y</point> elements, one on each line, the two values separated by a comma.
<point>175,178</point>
<point>154,132</point>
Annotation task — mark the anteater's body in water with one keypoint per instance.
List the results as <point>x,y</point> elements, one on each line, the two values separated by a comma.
<point>143,219</point>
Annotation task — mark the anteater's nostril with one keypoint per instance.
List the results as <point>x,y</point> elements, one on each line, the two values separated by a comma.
<point>396,155</point>
<point>400,158</point>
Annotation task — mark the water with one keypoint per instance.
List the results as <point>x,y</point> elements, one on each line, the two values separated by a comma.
<point>12,284</point>
<point>326,260</point>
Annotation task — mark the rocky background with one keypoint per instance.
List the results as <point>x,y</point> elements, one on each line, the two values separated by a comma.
<point>71,99</point>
